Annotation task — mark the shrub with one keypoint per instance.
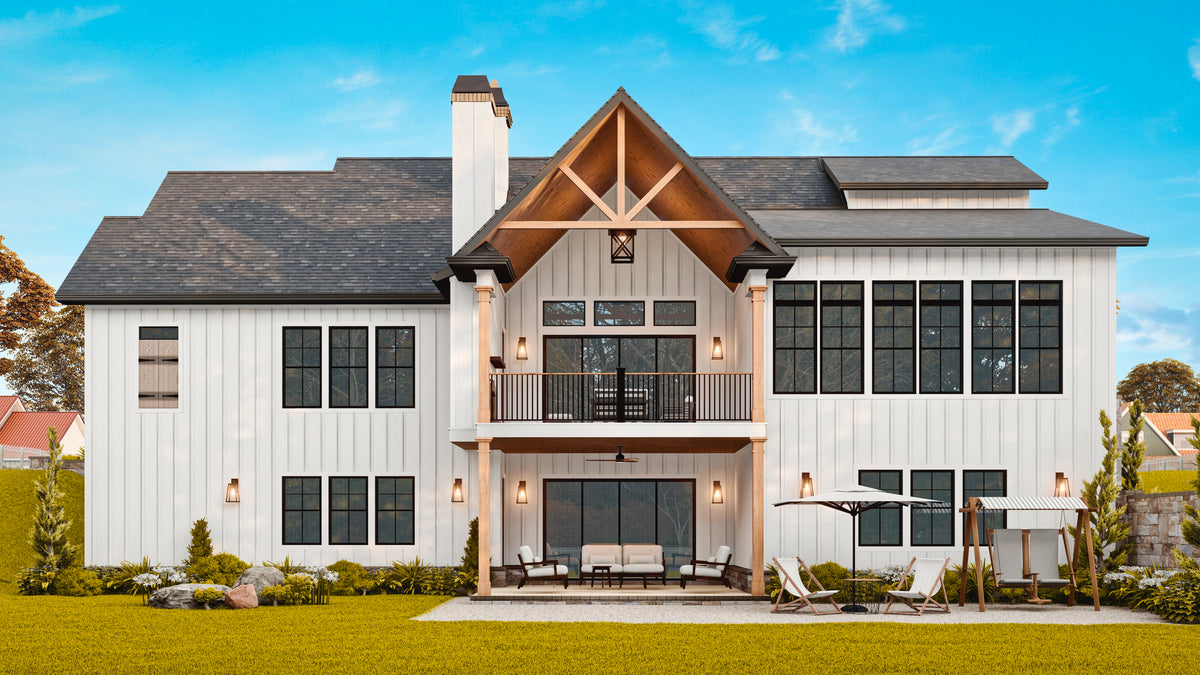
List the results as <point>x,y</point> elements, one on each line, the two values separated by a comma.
<point>48,536</point>
<point>222,568</point>
<point>208,595</point>
<point>287,566</point>
<point>443,581</point>
<point>1177,599</point>
<point>409,578</point>
<point>201,546</point>
<point>36,580</point>
<point>272,594</point>
<point>469,566</point>
<point>122,578</point>
<point>352,579</point>
<point>955,574</point>
<point>831,575</point>
<point>76,582</point>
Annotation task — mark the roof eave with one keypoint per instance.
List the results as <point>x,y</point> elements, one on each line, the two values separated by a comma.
<point>77,298</point>
<point>1099,242</point>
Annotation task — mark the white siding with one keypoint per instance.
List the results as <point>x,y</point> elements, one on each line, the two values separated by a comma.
<point>937,199</point>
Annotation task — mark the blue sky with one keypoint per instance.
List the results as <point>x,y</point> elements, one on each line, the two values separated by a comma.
<point>97,102</point>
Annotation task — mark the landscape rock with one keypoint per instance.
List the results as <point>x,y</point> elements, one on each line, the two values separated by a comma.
<point>180,596</point>
<point>260,577</point>
<point>242,597</point>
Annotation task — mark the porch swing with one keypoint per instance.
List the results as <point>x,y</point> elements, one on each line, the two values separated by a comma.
<point>1027,558</point>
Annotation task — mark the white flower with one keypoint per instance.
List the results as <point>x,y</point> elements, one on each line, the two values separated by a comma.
<point>330,576</point>
<point>177,577</point>
<point>147,580</point>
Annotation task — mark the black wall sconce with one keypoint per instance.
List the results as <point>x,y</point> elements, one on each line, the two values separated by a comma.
<point>233,494</point>
<point>1062,486</point>
<point>456,495</point>
<point>718,496</point>
<point>522,350</point>
<point>718,349</point>
<point>522,495</point>
<point>806,485</point>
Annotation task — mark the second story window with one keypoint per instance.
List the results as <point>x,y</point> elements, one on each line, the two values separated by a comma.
<point>395,367</point>
<point>795,339</point>
<point>842,337</point>
<point>675,313</point>
<point>158,367</point>
<point>302,367</point>
<point>941,337</point>
<point>893,321</point>
<point>1040,337</point>
<point>992,337</point>
<point>563,313</point>
<point>347,367</point>
<point>620,313</point>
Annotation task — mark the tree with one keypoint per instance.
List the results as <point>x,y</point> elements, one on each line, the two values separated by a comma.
<point>32,298</point>
<point>1191,523</point>
<point>1162,386</point>
<point>47,370</point>
<point>201,546</point>
<point>1135,449</point>
<point>469,566</point>
<point>49,535</point>
<point>1108,523</point>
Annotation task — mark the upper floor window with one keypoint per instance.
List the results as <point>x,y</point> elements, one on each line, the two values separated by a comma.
<point>992,337</point>
<point>894,325</point>
<point>395,367</point>
<point>842,337</point>
<point>158,367</point>
<point>347,367</point>
<point>1040,337</point>
<point>302,367</point>
<point>675,313</point>
<point>941,337</point>
<point>795,339</point>
<point>563,313</point>
<point>620,313</point>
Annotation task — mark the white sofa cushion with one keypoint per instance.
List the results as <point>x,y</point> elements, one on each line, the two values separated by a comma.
<point>642,569</point>
<point>547,571</point>
<point>631,550</point>
<point>590,551</point>
<point>587,569</point>
<point>643,560</point>
<point>602,560</point>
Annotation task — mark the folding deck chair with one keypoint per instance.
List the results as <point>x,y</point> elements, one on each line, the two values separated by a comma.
<point>789,580</point>
<point>927,576</point>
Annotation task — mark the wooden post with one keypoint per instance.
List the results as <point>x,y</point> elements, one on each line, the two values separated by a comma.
<point>758,410</point>
<point>484,456</point>
<point>485,336</point>
<point>621,162</point>
<point>968,528</point>
<point>973,504</point>
<point>757,582</point>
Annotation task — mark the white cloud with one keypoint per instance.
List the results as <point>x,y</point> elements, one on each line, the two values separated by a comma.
<point>1153,331</point>
<point>1069,122</point>
<point>815,136</point>
<point>37,24</point>
<point>858,20</point>
<point>360,80</point>
<point>726,31</point>
<point>1011,126</point>
<point>1194,59</point>
<point>941,144</point>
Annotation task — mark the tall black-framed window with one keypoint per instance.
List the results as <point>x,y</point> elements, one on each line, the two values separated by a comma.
<point>795,338</point>
<point>941,337</point>
<point>880,526</point>
<point>893,351</point>
<point>301,367</point>
<point>395,367</point>
<point>1039,336</point>
<point>985,483</point>
<point>933,525</point>
<point>841,337</point>
<point>301,510</point>
<point>347,510</point>
<point>347,367</point>
<point>394,513</point>
<point>992,337</point>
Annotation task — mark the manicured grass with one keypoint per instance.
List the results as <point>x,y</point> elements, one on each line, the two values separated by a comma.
<point>1168,481</point>
<point>116,634</point>
<point>17,504</point>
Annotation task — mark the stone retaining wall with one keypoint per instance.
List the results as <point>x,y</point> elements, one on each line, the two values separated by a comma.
<point>1155,522</point>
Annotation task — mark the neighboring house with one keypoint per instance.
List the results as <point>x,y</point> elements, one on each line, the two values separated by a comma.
<point>23,434</point>
<point>1168,434</point>
<point>363,348</point>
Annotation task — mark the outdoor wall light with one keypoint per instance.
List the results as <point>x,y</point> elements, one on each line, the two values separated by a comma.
<point>1062,486</point>
<point>718,493</point>
<point>522,495</point>
<point>806,485</point>
<point>718,350</point>
<point>456,495</point>
<point>232,493</point>
<point>622,245</point>
<point>522,351</point>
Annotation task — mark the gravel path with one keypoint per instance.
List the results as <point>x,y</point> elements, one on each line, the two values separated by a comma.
<point>462,609</point>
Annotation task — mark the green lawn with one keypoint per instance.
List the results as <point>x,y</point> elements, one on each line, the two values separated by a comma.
<point>16,505</point>
<point>1168,481</point>
<point>116,634</point>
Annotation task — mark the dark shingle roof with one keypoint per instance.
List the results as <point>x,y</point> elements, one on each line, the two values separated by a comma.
<point>855,173</point>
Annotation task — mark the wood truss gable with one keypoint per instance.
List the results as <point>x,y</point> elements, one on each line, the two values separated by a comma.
<point>622,145</point>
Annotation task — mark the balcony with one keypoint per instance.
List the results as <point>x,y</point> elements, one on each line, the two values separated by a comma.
<point>621,397</point>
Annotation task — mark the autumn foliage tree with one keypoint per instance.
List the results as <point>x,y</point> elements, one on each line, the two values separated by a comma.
<point>1162,386</point>
<point>47,371</point>
<point>29,299</point>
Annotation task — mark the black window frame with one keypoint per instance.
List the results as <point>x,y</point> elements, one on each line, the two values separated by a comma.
<point>412,481</point>
<point>939,350</point>
<point>877,351</point>
<point>898,510</point>
<point>364,510</point>
<point>995,520</point>
<point>946,510</point>
<point>365,367</point>
<point>596,319</point>
<point>285,510</point>
<point>581,321</point>
<point>657,322</point>
<point>1038,351</point>
<point>380,368</point>
<point>775,328</point>
<point>862,327</point>
<point>158,333</point>
<point>302,368</point>
<point>975,337</point>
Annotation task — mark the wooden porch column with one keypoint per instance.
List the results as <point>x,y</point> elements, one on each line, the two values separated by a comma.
<point>757,583</point>
<point>485,353</point>
<point>758,409</point>
<point>484,453</point>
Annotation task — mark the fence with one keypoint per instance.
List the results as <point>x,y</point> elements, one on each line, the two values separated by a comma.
<point>1169,464</point>
<point>20,458</point>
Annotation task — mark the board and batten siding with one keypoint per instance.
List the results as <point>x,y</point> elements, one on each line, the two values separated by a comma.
<point>151,473</point>
<point>1031,436</point>
<point>937,199</point>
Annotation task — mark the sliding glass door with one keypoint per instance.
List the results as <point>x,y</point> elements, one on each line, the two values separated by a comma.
<point>582,385</point>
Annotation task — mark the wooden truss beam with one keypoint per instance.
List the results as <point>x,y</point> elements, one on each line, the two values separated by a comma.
<point>607,225</point>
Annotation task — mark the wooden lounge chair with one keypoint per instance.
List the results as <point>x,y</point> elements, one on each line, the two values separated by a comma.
<point>927,575</point>
<point>715,569</point>
<point>539,569</point>
<point>789,580</point>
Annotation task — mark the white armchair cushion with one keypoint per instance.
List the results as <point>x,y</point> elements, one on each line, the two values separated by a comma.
<point>547,571</point>
<point>723,555</point>
<point>526,554</point>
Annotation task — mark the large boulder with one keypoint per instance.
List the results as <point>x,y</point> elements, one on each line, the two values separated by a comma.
<point>242,597</point>
<point>260,577</point>
<point>180,596</point>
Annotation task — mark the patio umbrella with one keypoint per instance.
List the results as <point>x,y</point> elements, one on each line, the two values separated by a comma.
<point>855,500</point>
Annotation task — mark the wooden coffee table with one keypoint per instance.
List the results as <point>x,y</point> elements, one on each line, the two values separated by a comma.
<point>598,569</point>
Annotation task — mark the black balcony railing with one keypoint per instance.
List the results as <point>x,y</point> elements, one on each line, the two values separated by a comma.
<point>621,397</point>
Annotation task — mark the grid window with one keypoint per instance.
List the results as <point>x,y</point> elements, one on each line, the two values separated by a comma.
<point>301,510</point>
<point>302,367</point>
<point>623,313</point>
<point>986,484</point>
<point>842,337</point>
<point>675,313</point>
<point>395,367</point>
<point>941,337</point>
<point>158,367</point>
<point>347,510</point>
<point>347,367</point>
<point>563,313</point>
<point>795,339</point>
<point>1040,337</point>
<point>933,525</point>
<point>893,352</point>
<point>394,510</point>
<point>992,337</point>
<point>880,526</point>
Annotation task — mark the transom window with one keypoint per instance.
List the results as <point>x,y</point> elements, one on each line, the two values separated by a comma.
<point>347,367</point>
<point>1040,337</point>
<point>675,313</point>
<point>842,337</point>
<point>795,339</point>
<point>563,313</point>
<point>302,367</point>
<point>894,326</point>
<point>992,337</point>
<point>620,313</point>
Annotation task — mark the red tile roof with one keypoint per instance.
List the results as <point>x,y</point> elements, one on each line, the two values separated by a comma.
<point>1171,421</point>
<point>28,429</point>
<point>7,402</point>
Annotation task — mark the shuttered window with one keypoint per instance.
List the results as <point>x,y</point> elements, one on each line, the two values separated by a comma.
<point>158,367</point>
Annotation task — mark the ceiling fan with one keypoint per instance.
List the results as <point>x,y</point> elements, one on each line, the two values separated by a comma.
<point>619,458</point>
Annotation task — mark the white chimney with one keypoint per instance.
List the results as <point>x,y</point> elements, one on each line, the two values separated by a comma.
<point>481,119</point>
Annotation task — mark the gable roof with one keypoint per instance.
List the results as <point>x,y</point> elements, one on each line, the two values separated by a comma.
<point>912,173</point>
<point>1176,421</point>
<point>28,429</point>
<point>9,403</point>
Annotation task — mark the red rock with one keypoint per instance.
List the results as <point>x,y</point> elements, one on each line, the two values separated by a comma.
<point>242,597</point>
